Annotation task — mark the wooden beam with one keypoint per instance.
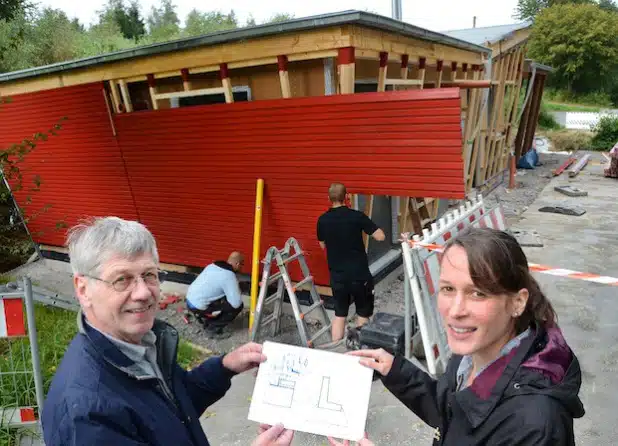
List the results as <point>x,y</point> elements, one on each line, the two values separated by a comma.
<point>284,79</point>
<point>109,111</point>
<point>403,82</point>
<point>190,93</point>
<point>422,61</point>
<point>405,61</point>
<point>226,83</point>
<point>515,39</point>
<point>152,88</point>
<point>470,154</point>
<point>115,97</point>
<point>439,68</point>
<point>366,38</point>
<point>346,62</point>
<point>186,83</point>
<point>453,71</point>
<point>382,71</point>
<point>470,83</point>
<point>241,52</point>
<point>369,213</point>
<point>126,97</point>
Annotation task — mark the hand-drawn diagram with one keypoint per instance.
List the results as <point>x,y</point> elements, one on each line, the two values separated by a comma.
<point>313,391</point>
<point>282,382</point>
<point>280,393</point>
<point>337,414</point>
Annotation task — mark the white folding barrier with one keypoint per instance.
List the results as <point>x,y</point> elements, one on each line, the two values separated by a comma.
<point>422,273</point>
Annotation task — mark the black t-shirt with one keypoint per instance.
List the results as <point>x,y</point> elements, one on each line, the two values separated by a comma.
<point>341,229</point>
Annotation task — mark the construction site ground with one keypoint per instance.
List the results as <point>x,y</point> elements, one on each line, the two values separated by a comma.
<point>587,311</point>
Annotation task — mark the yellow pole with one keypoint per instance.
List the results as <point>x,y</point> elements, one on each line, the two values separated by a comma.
<point>255,263</point>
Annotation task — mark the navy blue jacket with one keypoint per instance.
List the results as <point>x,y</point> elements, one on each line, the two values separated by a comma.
<point>98,397</point>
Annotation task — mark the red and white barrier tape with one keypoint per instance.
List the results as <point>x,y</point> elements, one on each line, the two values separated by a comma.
<point>559,272</point>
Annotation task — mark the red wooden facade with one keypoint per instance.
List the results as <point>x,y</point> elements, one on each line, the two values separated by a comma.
<point>189,173</point>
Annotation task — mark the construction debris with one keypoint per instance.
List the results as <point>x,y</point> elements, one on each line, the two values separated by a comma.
<point>612,170</point>
<point>579,165</point>
<point>563,166</point>
<point>564,209</point>
<point>571,191</point>
<point>169,299</point>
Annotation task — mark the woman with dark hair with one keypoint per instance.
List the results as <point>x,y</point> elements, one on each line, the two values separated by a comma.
<point>512,379</point>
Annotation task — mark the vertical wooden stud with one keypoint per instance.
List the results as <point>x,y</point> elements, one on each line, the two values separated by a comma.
<point>382,71</point>
<point>282,63</point>
<point>405,60</point>
<point>152,87</point>
<point>439,67</point>
<point>347,62</point>
<point>186,83</point>
<point>226,82</point>
<point>115,97</point>
<point>422,68</point>
<point>126,97</point>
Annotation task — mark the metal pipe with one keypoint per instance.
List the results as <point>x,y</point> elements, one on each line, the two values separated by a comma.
<point>255,262</point>
<point>34,344</point>
<point>408,314</point>
<point>396,9</point>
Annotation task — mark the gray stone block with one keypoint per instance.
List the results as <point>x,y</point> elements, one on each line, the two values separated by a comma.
<point>527,238</point>
<point>565,209</point>
<point>571,191</point>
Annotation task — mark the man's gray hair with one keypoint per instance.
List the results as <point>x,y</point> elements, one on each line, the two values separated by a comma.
<point>94,242</point>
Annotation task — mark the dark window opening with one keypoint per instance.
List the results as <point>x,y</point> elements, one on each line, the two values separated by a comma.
<point>239,96</point>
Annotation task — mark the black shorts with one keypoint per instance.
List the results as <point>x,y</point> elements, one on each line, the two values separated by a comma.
<point>358,291</point>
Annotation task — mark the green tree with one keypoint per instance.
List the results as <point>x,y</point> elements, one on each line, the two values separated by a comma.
<point>250,21</point>
<point>579,41</point>
<point>128,18</point>
<point>199,23</point>
<point>608,5</point>
<point>101,39</point>
<point>163,22</point>
<point>52,37</point>
<point>529,9</point>
<point>9,9</point>
<point>280,17</point>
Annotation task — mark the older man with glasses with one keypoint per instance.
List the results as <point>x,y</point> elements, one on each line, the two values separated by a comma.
<point>119,382</point>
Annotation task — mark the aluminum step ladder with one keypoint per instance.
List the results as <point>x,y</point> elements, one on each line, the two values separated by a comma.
<point>291,252</point>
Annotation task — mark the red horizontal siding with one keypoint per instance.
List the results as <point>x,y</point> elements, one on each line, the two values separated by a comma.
<point>189,174</point>
<point>81,168</point>
<point>201,163</point>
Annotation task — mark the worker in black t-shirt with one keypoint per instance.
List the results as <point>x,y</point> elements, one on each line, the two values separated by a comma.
<point>340,232</point>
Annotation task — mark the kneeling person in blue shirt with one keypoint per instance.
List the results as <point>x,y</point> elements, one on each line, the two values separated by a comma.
<point>214,297</point>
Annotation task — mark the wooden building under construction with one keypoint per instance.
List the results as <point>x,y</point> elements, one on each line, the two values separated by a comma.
<point>175,135</point>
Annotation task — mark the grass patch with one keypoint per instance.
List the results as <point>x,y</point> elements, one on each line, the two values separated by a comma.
<point>560,106</point>
<point>569,140</point>
<point>6,279</point>
<point>55,329</point>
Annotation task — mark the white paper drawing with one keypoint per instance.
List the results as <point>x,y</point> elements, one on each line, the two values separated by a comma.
<point>313,391</point>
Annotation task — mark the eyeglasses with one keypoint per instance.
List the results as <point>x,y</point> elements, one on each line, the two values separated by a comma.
<point>124,283</point>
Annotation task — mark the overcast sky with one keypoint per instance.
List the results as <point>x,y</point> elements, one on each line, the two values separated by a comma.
<point>438,16</point>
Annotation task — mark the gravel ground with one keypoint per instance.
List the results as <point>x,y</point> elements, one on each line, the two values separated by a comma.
<point>529,183</point>
<point>238,329</point>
